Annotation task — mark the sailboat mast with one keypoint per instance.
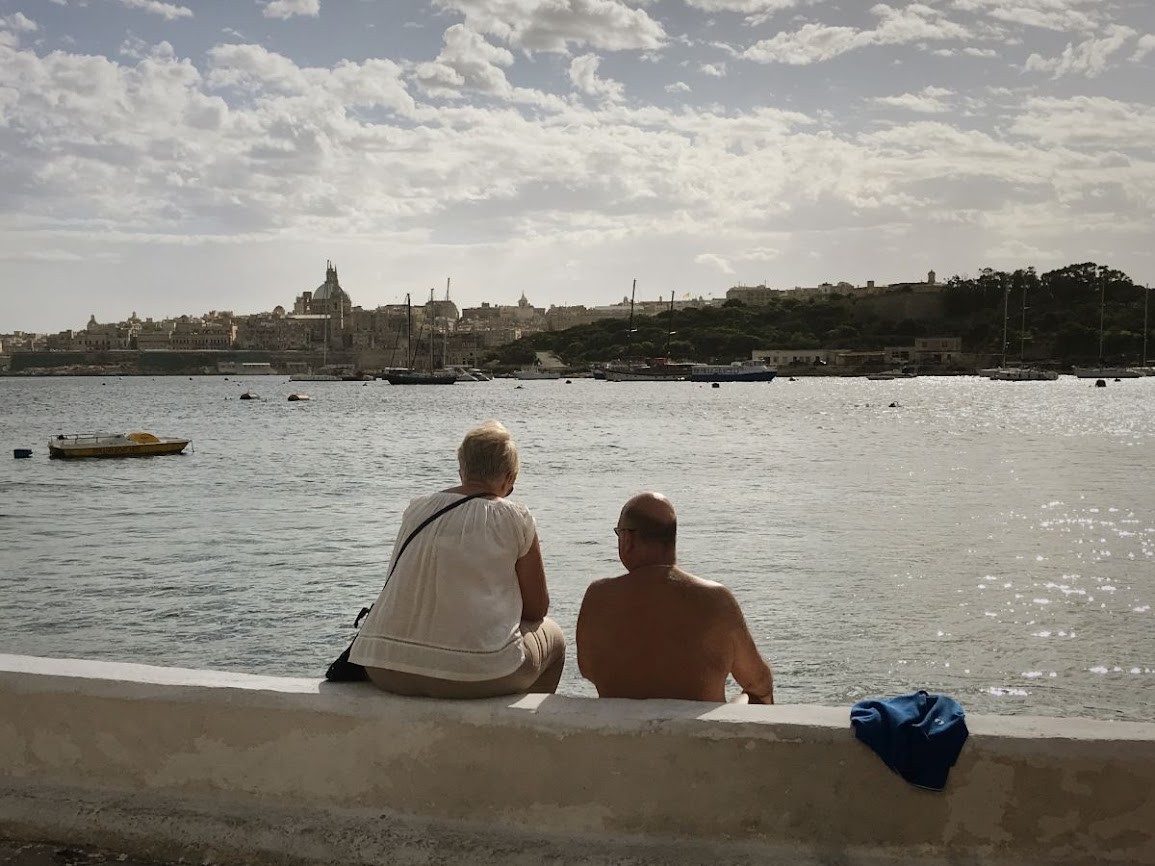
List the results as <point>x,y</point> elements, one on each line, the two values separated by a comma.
<point>1146,304</point>
<point>431,321</point>
<point>670,325</point>
<point>408,332</point>
<point>1023,328</point>
<point>1006,316</point>
<point>630,330</point>
<point>1102,314</point>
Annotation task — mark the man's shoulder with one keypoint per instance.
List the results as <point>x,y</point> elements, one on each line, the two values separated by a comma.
<point>603,585</point>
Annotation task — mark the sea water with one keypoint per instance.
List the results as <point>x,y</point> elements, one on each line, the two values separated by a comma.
<point>994,541</point>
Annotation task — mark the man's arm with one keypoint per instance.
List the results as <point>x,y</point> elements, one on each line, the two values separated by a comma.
<point>750,670</point>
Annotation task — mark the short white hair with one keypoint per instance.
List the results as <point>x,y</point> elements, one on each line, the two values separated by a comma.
<point>487,454</point>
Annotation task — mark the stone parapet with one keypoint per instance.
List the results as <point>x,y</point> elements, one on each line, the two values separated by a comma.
<point>237,768</point>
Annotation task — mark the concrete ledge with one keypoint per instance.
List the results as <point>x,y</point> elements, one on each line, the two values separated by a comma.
<point>237,768</point>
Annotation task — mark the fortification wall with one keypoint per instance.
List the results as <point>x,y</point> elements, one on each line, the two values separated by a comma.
<point>237,768</point>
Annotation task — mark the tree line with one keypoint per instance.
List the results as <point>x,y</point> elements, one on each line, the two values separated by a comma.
<point>1079,314</point>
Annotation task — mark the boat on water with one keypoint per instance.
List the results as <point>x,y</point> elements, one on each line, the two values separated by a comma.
<point>1108,373</point>
<point>410,375</point>
<point>314,377</point>
<point>536,373</point>
<point>738,371</point>
<point>887,375</point>
<point>114,445</point>
<point>419,377</point>
<point>1020,374</point>
<point>470,374</point>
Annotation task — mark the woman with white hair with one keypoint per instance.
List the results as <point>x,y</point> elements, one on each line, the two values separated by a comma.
<point>463,612</point>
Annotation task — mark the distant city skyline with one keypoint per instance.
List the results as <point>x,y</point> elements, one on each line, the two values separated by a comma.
<point>176,157</point>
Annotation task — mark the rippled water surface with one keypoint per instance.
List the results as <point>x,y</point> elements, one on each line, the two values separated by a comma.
<point>994,541</point>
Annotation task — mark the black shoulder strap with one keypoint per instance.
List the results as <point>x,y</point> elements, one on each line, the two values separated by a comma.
<point>427,521</point>
<point>412,535</point>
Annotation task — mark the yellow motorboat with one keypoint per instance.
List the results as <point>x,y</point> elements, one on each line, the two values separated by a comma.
<point>114,445</point>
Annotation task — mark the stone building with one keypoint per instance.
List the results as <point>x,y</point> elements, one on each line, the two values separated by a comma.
<point>334,309</point>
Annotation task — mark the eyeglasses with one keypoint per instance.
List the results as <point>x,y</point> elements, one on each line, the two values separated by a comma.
<point>618,530</point>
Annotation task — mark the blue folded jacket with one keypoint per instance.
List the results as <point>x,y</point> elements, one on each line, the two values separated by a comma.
<point>919,735</point>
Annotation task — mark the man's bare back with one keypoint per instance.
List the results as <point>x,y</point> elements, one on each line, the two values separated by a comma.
<point>658,631</point>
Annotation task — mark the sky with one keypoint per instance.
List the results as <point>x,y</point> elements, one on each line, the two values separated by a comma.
<point>171,157</point>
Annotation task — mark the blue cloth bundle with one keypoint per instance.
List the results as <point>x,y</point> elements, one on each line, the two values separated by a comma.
<point>919,735</point>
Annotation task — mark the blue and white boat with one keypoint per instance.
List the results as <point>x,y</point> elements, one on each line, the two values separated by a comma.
<point>739,371</point>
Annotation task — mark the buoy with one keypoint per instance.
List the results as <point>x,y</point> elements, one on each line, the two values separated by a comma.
<point>716,385</point>
<point>249,395</point>
<point>296,398</point>
<point>568,382</point>
<point>1100,383</point>
<point>21,452</point>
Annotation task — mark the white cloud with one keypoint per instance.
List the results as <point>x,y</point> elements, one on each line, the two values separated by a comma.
<point>1083,121</point>
<point>814,43</point>
<point>169,11</point>
<point>533,25</point>
<point>19,23</point>
<point>466,62</point>
<point>929,100</point>
<point>583,72</point>
<point>1089,58</point>
<point>714,70</point>
<point>678,87</point>
<point>1061,15</point>
<point>717,262</point>
<point>1143,47</point>
<point>290,8</point>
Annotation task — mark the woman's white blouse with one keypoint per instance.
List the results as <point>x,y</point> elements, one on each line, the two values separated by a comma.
<point>452,608</point>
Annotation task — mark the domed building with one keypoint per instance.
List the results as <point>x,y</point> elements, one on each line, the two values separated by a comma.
<point>331,305</point>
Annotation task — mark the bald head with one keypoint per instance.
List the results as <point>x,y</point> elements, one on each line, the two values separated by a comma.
<point>652,518</point>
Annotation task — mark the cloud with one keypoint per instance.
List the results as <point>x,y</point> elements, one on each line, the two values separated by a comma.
<point>714,70</point>
<point>583,72</point>
<point>1087,121</point>
<point>814,43</point>
<point>284,9</point>
<point>608,25</point>
<point>1078,16</point>
<point>466,62</point>
<point>711,260</point>
<point>678,87</point>
<point>1143,47</point>
<point>1090,58</point>
<point>169,11</point>
<point>19,23</point>
<point>929,100</point>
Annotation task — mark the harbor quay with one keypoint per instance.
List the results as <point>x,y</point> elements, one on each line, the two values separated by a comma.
<point>167,765</point>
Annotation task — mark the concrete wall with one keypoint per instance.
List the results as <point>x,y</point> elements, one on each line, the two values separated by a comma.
<point>240,768</point>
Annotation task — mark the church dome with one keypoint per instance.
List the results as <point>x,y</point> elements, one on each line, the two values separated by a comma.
<point>330,289</point>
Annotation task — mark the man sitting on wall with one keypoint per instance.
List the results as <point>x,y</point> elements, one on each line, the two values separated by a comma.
<point>658,631</point>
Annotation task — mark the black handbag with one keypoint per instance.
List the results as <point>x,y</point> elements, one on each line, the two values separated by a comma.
<point>344,671</point>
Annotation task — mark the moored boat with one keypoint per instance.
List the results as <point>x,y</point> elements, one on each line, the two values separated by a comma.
<point>739,371</point>
<point>1107,373</point>
<point>114,445</point>
<point>1021,374</point>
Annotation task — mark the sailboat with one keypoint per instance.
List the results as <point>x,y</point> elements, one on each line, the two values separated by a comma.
<point>412,376</point>
<point>1102,372</point>
<point>651,370</point>
<point>1019,372</point>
